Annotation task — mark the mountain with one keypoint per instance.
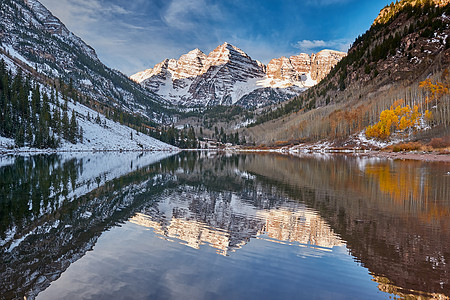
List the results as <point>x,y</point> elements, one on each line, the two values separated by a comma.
<point>35,117</point>
<point>42,44</point>
<point>57,94</point>
<point>407,44</point>
<point>295,68</point>
<point>229,76</point>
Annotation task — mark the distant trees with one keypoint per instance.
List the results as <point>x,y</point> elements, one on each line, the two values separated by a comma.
<point>184,138</point>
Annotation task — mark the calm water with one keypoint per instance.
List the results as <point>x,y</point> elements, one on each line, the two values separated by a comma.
<point>217,226</point>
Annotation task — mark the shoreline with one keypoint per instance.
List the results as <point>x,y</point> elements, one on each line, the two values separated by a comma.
<point>413,155</point>
<point>56,151</point>
<point>419,156</point>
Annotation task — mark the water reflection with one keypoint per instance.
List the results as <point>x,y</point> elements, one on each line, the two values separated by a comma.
<point>54,208</point>
<point>391,216</point>
<point>226,222</point>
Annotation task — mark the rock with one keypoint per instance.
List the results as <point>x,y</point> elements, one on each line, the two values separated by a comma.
<point>229,76</point>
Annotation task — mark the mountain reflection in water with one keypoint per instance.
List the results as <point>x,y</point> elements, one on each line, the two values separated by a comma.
<point>225,222</point>
<point>392,217</point>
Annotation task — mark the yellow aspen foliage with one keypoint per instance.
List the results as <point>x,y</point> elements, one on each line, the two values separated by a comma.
<point>436,90</point>
<point>388,119</point>
<point>400,117</point>
<point>404,123</point>
<point>415,115</point>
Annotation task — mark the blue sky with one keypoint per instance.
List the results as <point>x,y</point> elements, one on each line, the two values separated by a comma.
<point>135,35</point>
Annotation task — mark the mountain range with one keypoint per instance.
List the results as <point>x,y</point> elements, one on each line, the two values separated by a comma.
<point>328,95</point>
<point>229,76</point>
<point>41,43</point>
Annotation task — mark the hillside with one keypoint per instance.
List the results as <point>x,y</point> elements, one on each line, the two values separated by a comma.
<point>228,76</point>
<point>407,44</point>
<point>36,117</point>
<point>37,40</point>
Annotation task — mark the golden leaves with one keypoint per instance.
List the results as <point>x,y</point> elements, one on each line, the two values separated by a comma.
<point>436,90</point>
<point>400,117</point>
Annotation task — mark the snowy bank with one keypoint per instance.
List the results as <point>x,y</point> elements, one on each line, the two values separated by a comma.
<point>105,135</point>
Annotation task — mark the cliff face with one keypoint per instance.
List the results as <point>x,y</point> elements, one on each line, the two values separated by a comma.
<point>229,76</point>
<point>296,68</point>
<point>323,62</point>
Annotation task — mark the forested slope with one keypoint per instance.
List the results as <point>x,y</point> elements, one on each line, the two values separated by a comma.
<point>408,43</point>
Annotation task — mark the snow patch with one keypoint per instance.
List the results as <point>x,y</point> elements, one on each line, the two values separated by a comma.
<point>9,49</point>
<point>105,135</point>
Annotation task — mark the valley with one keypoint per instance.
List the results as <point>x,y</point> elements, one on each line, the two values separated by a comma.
<point>301,150</point>
<point>228,98</point>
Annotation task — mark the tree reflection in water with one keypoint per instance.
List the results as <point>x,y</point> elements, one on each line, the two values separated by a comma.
<point>393,216</point>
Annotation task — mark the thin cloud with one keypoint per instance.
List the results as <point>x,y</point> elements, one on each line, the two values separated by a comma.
<point>135,35</point>
<point>109,28</point>
<point>186,14</point>
<point>315,45</point>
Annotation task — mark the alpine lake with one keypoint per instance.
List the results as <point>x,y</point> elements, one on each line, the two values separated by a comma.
<point>211,225</point>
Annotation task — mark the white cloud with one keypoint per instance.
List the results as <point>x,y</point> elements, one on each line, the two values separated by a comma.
<point>184,14</point>
<point>307,45</point>
<point>314,45</point>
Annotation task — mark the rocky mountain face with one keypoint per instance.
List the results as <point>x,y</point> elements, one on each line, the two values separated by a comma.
<point>296,68</point>
<point>229,76</point>
<point>40,42</point>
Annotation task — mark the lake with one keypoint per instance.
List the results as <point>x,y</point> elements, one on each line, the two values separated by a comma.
<point>205,225</point>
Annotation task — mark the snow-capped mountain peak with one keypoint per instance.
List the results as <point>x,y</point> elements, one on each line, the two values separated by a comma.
<point>229,76</point>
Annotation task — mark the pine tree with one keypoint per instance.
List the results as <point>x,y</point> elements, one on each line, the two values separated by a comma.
<point>65,125</point>
<point>57,120</point>
<point>20,136</point>
<point>80,134</point>
<point>29,134</point>
<point>73,129</point>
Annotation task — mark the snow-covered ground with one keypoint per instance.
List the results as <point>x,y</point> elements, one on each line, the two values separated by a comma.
<point>108,135</point>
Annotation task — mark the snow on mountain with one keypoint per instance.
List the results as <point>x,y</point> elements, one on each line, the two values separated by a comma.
<point>98,136</point>
<point>109,135</point>
<point>229,76</point>
<point>29,32</point>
